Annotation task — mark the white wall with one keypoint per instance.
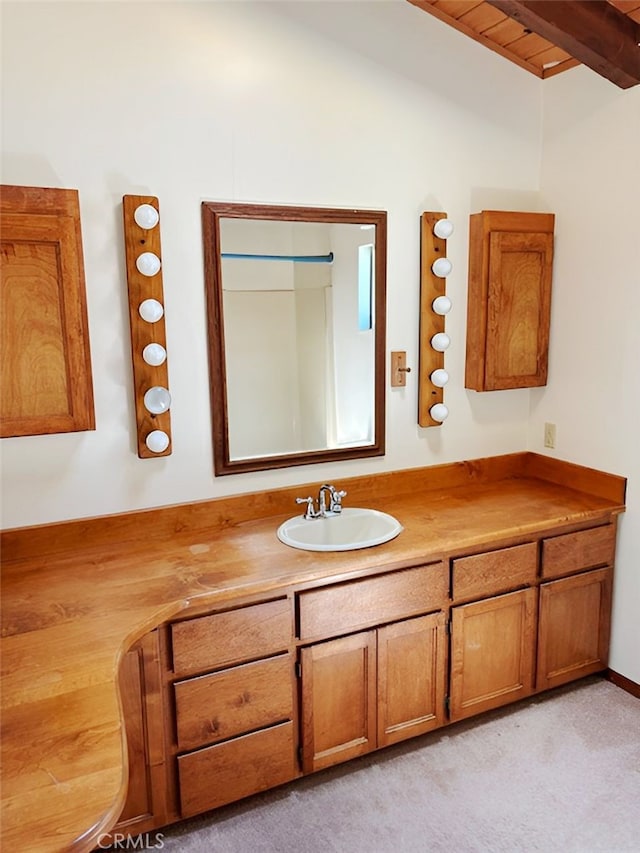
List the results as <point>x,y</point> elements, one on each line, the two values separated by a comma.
<point>591,179</point>
<point>241,101</point>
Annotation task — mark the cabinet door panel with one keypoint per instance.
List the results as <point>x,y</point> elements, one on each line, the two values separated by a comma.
<point>492,651</point>
<point>338,700</point>
<point>574,627</point>
<point>519,309</point>
<point>411,678</point>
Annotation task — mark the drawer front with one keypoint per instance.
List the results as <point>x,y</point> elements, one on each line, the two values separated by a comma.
<point>346,607</point>
<point>232,637</point>
<point>228,703</point>
<point>574,552</point>
<point>495,571</point>
<point>237,768</point>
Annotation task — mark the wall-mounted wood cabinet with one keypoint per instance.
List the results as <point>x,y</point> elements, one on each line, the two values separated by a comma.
<point>509,299</point>
<point>46,383</point>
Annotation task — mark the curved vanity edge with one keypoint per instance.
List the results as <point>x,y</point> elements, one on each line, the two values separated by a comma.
<point>90,839</point>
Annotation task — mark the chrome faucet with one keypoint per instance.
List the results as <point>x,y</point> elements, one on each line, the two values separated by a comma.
<point>335,500</point>
<point>323,511</point>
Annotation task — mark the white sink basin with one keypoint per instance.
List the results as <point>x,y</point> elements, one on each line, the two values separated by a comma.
<point>352,528</point>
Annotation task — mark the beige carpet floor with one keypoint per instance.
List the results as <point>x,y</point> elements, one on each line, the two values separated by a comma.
<point>559,773</point>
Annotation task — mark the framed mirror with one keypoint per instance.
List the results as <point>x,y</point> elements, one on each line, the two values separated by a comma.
<point>296,326</point>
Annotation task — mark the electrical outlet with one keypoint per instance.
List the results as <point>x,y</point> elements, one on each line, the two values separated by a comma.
<point>550,435</point>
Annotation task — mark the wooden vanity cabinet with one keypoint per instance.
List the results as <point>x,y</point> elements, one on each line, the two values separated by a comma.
<point>575,610</point>
<point>261,693</point>
<point>234,698</point>
<point>509,299</point>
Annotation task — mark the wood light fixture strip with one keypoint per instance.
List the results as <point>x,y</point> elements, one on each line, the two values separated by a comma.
<point>431,286</point>
<point>142,287</point>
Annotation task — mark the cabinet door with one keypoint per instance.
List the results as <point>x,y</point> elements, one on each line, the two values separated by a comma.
<point>411,678</point>
<point>492,652</point>
<point>338,700</point>
<point>574,627</point>
<point>45,381</point>
<point>140,685</point>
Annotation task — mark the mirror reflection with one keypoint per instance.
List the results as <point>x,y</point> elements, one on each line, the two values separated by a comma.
<point>296,333</point>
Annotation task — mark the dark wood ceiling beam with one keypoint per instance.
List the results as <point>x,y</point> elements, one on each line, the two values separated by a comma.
<point>592,31</point>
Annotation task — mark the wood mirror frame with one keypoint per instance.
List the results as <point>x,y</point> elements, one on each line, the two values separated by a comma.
<point>212,214</point>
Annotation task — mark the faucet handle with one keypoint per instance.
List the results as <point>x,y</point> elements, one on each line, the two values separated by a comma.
<point>310,511</point>
<point>336,500</point>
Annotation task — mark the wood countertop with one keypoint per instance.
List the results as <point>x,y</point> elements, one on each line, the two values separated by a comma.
<point>77,594</point>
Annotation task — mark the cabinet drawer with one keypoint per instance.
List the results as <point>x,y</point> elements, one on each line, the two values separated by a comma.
<point>237,768</point>
<point>228,703</point>
<point>345,607</point>
<point>573,552</point>
<point>231,637</point>
<point>495,571</point>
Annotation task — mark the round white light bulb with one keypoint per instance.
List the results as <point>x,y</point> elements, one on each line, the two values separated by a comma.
<point>440,341</point>
<point>146,216</point>
<point>441,305</point>
<point>157,400</point>
<point>439,377</point>
<point>148,263</point>
<point>443,228</point>
<point>442,267</point>
<point>157,441</point>
<point>154,354</point>
<point>439,412</point>
<point>151,310</point>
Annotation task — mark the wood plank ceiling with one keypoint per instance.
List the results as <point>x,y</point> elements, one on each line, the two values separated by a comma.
<point>549,36</point>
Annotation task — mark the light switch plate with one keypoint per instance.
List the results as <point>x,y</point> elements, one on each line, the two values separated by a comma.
<point>399,369</point>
